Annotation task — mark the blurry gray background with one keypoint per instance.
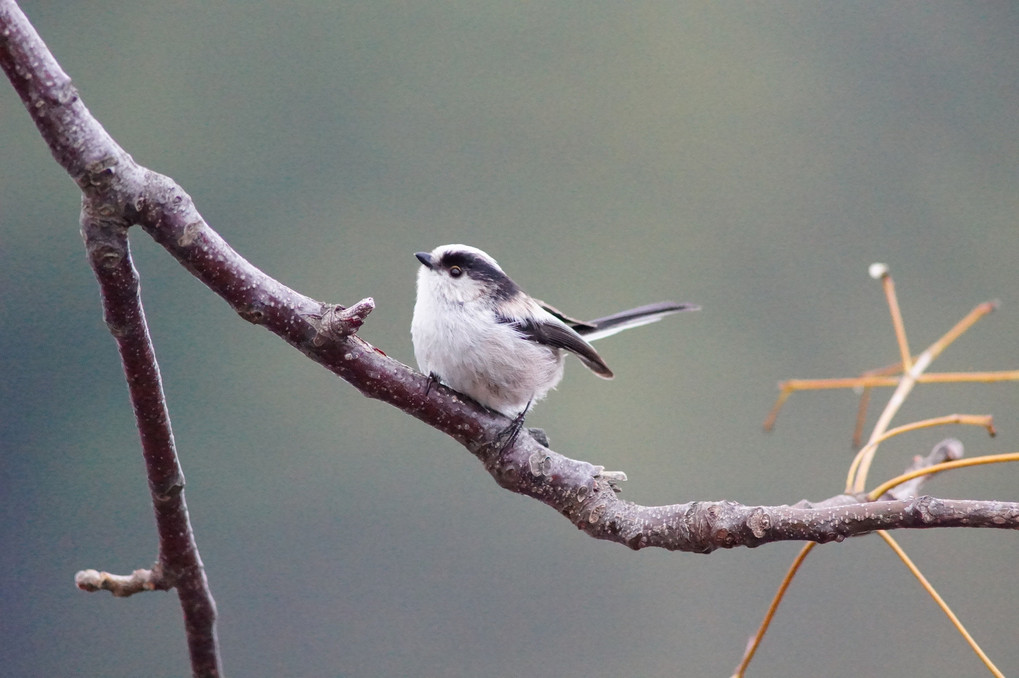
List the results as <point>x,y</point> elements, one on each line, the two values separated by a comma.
<point>753,158</point>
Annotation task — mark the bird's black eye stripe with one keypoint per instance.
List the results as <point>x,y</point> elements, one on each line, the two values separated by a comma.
<point>480,269</point>
<point>459,260</point>
<point>458,263</point>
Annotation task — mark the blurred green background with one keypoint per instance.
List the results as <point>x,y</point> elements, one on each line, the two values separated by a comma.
<point>752,157</point>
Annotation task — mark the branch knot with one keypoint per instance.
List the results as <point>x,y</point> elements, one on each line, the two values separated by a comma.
<point>339,322</point>
<point>927,508</point>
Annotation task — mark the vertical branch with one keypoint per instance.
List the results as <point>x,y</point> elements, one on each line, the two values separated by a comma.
<point>179,564</point>
<point>84,149</point>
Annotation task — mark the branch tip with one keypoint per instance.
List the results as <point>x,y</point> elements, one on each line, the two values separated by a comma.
<point>122,585</point>
<point>877,270</point>
<point>338,322</point>
<point>612,476</point>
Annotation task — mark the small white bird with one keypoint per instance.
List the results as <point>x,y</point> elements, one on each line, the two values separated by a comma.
<point>476,331</point>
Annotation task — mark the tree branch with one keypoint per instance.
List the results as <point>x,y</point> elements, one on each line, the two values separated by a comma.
<point>84,149</point>
<point>179,564</point>
<point>121,193</point>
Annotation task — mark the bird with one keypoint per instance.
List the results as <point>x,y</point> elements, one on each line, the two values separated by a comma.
<point>478,332</point>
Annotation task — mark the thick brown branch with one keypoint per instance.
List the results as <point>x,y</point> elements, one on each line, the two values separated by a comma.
<point>705,526</point>
<point>121,193</point>
<point>583,494</point>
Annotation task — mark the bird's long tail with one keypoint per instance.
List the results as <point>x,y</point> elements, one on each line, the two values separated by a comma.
<point>599,328</point>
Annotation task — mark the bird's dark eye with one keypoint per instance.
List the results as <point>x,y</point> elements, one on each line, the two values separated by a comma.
<point>455,271</point>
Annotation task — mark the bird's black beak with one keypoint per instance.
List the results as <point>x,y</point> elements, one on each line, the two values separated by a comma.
<point>426,259</point>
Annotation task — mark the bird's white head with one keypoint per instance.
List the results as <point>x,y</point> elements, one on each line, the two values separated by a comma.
<point>458,274</point>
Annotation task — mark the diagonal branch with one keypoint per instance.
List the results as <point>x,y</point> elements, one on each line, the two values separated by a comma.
<point>124,193</point>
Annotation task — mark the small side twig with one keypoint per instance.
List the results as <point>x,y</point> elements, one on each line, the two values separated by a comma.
<point>947,450</point>
<point>337,322</point>
<point>122,585</point>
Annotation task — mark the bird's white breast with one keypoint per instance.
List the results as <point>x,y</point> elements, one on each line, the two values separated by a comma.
<point>470,351</point>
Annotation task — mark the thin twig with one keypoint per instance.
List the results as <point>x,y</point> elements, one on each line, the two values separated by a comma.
<point>776,600</point>
<point>913,369</point>
<point>941,603</point>
<point>880,271</point>
<point>981,420</point>
<point>884,487</point>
